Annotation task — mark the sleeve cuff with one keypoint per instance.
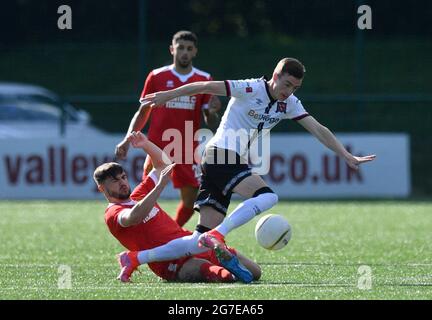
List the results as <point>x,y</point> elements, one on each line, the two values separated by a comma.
<point>228,89</point>
<point>152,174</point>
<point>120,215</point>
<point>300,117</point>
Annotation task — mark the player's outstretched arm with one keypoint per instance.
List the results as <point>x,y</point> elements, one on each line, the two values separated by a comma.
<point>327,138</point>
<point>141,210</point>
<point>216,88</point>
<point>159,158</point>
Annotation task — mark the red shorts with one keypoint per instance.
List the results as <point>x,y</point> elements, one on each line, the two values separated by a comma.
<point>168,270</point>
<point>182,175</point>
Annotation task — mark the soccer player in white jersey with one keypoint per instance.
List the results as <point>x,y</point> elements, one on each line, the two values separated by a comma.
<point>255,105</point>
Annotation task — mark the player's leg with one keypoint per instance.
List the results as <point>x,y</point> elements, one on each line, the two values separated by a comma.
<point>181,247</point>
<point>233,174</point>
<point>187,245</point>
<point>197,270</point>
<point>185,208</point>
<point>209,217</point>
<point>175,249</point>
<point>260,198</point>
<point>185,178</point>
<point>217,181</point>
<point>212,205</point>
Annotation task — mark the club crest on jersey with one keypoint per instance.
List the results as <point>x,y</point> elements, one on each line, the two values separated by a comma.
<point>248,89</point>
<point>281,107</point>
<point>170,84</point>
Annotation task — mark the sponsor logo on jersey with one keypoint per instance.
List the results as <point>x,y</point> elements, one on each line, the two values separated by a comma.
<point>262,117</point>
<point>184,102</point>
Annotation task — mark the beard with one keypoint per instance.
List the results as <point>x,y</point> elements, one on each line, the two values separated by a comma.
<point>121,196</point>
<point>184,63</point>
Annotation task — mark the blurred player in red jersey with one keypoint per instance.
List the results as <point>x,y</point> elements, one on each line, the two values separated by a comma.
<point>182,114</point>
<point>144,228</point>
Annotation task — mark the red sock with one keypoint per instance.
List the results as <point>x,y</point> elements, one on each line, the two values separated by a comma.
<point>133,255</point>
<point>183,214</point>
<point>214,273</point>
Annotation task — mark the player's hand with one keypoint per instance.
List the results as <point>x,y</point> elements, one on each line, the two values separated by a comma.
<point>156,99</point>
<point>165,175</point>
<point>137,139</point>
<point>121,150</point>
<point>354,162</point>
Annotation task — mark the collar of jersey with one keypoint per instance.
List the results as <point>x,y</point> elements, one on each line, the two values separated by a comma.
<point>272,101</point>
<point>129,203</point>
<point>182,77</point>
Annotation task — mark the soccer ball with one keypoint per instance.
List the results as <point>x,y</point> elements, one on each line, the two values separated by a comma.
<point>273,232</point>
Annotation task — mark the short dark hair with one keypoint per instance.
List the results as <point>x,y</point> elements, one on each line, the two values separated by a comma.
<point>291,66</point>
<point>107,170</point>
<point>185,35</point>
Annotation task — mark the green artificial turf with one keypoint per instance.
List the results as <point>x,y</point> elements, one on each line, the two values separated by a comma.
<point>42,240</point>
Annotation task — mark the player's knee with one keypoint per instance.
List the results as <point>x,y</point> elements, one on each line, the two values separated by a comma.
<point>273,198</point>
<point>267,197</point>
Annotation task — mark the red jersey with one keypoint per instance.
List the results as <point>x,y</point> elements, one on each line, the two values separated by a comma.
<point>177,111</point>
<point>156,229</point>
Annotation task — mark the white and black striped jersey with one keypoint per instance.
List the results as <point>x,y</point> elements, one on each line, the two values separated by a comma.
<point>251,112</point>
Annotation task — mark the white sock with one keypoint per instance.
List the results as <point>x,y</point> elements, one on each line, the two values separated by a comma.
<point>177,248</point>
<point>246,211</point>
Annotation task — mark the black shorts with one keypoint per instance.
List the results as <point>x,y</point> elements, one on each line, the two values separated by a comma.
<point>221,171</point>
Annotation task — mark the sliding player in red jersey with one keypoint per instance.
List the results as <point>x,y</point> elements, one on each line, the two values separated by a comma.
<point>180,118</point>
<point>147,231</point>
